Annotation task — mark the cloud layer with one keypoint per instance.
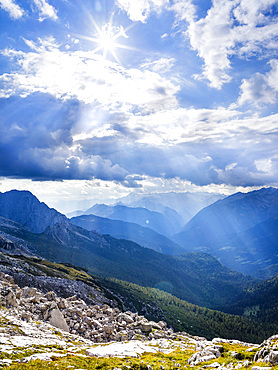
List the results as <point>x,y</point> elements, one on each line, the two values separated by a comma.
<point>69,113</point>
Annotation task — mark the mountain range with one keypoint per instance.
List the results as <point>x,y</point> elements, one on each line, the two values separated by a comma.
<point>185,204</point>
<point>196,277</point>
<point>142,216</point>
<point>28,226</point>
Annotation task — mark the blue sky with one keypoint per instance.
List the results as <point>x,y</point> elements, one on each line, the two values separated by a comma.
<point>101,98</point>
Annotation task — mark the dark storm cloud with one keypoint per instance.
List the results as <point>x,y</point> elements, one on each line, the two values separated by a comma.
<point>42,138</point>
<point>36,142</point>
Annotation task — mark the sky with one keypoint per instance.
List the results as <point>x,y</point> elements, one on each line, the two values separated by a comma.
<point>102,98</point>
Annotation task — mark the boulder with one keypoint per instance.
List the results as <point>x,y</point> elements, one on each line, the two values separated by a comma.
<point>272,357</point>
<point>146,327</point>
<point>108,329</point>
<point>207,354</point>
<point>62,303</point>
<point>11,299</point>
<point>261,354</point>
<point>51,296</point>
<point>124,317</point>
<point>29,292</point>
<point>56,319</point>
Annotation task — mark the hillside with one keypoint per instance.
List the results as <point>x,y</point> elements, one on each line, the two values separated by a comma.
<point>241,230</point>
<point>259,301</point>
<point>143,236</point>
<point>47,331</point>
<point>67,281</point>
<point>184,316</point>
<point>195,277</point>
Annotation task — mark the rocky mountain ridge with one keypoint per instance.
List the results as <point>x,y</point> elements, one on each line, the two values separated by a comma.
<point>25,208</point>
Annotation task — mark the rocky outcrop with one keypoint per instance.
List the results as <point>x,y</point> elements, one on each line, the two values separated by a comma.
<point>35,275</point>
<point>11,247</point>
<point>268,351</point>
<point>205,353</point>
<point>98,323</point>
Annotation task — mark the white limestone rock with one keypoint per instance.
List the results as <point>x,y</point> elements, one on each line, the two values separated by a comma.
<point>207,354</point>
<point>129,349</point>
<point>57,320</point>
<point>272,357</point>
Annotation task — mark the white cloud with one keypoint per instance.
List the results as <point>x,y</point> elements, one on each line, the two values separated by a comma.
<point>176,126</point>
<point>185,10</point>
<point>161,65</point>
<point>45,10</point>
<point>211,37</point>
<point>241,28</point>
<point>261,88</point>
<point>140,10</point>
<point>12,8</point>
<point>87,77</point>
<point>203,146</point>
<point>235,27</point>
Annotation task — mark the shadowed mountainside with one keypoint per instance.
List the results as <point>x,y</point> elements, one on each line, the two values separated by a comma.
<point>25,208</point>
<point>141,216</point>
<point>196,277</point>
<point>241,230</point>
<point>127,230</point>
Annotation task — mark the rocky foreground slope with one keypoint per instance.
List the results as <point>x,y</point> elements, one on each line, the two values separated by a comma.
<point>41,330</point>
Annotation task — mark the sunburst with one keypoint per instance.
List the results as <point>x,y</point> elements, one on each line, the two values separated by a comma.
<point>107,37</point>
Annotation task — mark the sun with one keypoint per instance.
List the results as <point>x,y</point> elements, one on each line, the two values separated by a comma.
<point>106,38</point>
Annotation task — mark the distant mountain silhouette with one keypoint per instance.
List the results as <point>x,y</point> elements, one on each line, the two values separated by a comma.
<point>126,230</point>
<point>185,204</point>
<point>241,230</point>
<point>138,215</point>
<point>25,208</point>
<point>153,205</point>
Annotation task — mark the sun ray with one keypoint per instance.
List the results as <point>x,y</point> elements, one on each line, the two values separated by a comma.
<point>106,38</point>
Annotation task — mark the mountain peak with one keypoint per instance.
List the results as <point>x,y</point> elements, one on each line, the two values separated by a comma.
<point>25,208</point>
